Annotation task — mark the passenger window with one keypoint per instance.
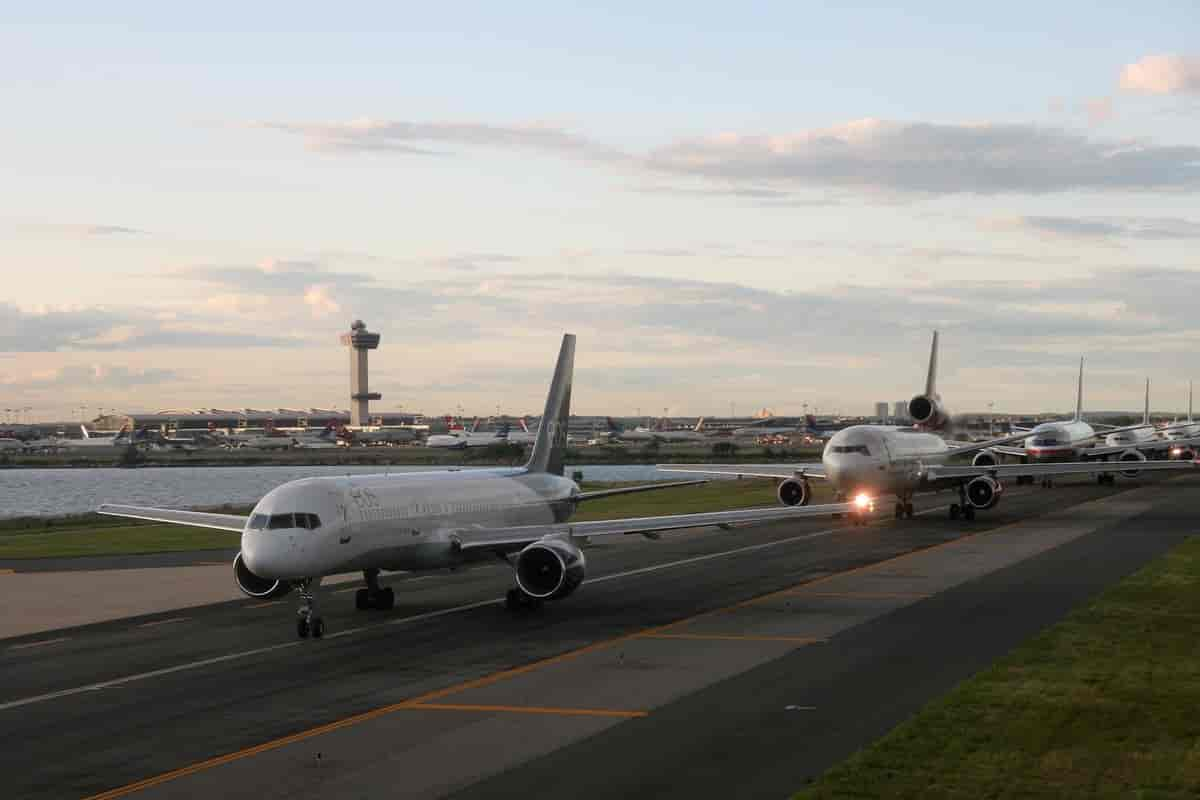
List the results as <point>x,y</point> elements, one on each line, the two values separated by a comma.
<point>314,521</point>
<point>302,520</point>
<point>258,522</point>
<point>281,521</point>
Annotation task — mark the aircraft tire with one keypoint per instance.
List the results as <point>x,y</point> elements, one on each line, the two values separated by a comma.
<point>954,510</point>
<point>302,628</point>
<point>969,513</point>
<point>386,599</point>
<point>318,628</point>
<point>909,510</point>
<point>362,599</point>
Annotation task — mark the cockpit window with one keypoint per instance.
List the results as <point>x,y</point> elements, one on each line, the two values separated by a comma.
<point>852,448</point>
<point>280,521</point>
<point>1045,442</point>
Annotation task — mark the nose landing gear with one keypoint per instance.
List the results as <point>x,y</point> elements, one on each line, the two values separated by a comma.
<point>904,509</point>
<point>962,507</point>
<point>374,596</point>
<point>307,620</point>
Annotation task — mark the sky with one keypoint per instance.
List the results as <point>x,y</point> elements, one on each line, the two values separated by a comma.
<point>734,207</point>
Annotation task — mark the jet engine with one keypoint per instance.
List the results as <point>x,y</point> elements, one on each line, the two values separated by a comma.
<point>550,569</point>
<point>984,492</point>
<point>984,458</point>
<point>794,492</point>
<point>928,412</point>
<point>254,586</point>
<point>1130,457</point>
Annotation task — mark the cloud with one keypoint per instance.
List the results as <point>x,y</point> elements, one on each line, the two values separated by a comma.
<point>319,302</point>
<point>1162,74</point>
<point>274,276</point>
<point>43,330</point>
<point>367,135</point>
<point>867,155</point>
<point>80,230</point>
<point>1098,110</point>
<point>1146,228</point>
<point>94,375</point>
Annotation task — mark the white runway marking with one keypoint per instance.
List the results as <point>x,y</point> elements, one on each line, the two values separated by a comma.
<point>39,643</point>
<point>158,622</point>
<point>208,662</point>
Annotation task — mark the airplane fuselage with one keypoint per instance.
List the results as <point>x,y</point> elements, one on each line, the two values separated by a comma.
<point>1059,441</point>
<point>393,522</point>
<point>880,460</point>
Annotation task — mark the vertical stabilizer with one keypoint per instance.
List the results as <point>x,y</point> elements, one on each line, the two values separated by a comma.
<point>83,429</point>
<point>1079,393</point>
<point>931,378</point>
<point>550,447</point>
<point>1146,413</point>
<point>1189,401</point>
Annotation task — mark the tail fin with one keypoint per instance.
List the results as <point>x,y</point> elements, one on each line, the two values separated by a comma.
<point>1189,401</point>
<point>1146,413</point>
<point>550,446</point>
<point>931,378</point>
<point>699,425</point>
<point>84,431</point>
<point>1079,393</point>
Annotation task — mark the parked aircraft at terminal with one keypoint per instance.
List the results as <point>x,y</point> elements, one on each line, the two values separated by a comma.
<point>869,461</point>
<point>309,528</point>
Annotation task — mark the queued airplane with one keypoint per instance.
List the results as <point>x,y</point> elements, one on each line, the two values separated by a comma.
<point>313,527</point>
<point>1077,440</point>
<point>868,461</point>
<point>1176,432</point>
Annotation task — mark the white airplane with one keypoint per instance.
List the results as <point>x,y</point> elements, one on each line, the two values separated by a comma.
<point>462,439</point>
<point>312,527</point>
<point>118,439</point>
<point>1176,432</point>
<point>869,461</point>
<point>644,433</point>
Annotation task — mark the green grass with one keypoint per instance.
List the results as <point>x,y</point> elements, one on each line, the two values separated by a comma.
<point>1104,704</point>
<point>92,535</point>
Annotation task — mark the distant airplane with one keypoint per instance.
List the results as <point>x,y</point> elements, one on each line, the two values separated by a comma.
<point>1076,440</point>
<point>1177,432</point>
<point>312,527</point>
<point>657,434</point>
<point>120,438</point>
<point>867,461</point>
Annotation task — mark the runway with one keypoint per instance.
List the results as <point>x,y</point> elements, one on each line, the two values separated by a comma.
<point>734,662</point>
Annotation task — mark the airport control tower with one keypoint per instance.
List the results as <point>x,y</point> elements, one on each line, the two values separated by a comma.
<point>360,340</point>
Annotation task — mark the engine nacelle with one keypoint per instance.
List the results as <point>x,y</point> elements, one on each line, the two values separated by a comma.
<point>252,585</point>
<point>984,492</point>
<point>984,458</point>
<point>928,412</point>
<point>794,492</point>
<point>1131,457</point>
<point>550,569</point>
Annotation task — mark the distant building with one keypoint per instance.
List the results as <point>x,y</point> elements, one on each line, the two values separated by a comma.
<point>881,411</point>
<point>900,409</point>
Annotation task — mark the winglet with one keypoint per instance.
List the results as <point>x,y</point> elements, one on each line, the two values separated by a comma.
<point>1079,393</point>
<point>550,447</point>
<point>931,378</point>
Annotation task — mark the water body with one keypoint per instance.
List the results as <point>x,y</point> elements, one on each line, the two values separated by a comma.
<point>55,492</point>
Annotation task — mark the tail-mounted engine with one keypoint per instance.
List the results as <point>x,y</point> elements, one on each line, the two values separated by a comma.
<point>928,412</point>
<point>1131,457</point>
<point>984,458</point>
<point>794,492</point>
<point>550,569</point>
<point>254,586</point>
<point>984,492</point>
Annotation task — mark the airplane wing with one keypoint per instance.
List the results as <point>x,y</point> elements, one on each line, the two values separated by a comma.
<point>939,471</point>
<point>650,487</point>
<point>991,444</point>
<point>503,539</point>
<point>197,519</point>
<point>1010,451</point>
<point>777,471</point>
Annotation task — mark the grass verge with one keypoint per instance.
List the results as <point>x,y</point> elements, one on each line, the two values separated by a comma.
<point>1104,704</point>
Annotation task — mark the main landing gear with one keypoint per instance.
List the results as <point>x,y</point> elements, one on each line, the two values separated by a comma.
<point>307,620</point>
<point>374,596</point>
<point>962,507</point>
<point>516,601</point>
<point>1106,477</point>
<point>904,509</point>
